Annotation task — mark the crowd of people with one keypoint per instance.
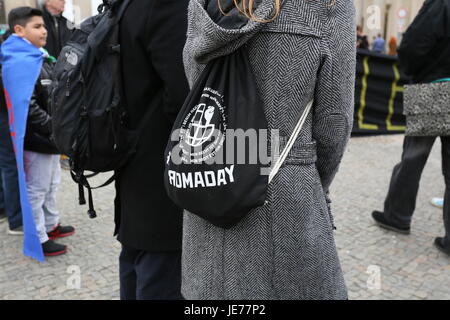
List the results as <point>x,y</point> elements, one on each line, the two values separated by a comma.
<point>283,250</point>
<point>378,44</point>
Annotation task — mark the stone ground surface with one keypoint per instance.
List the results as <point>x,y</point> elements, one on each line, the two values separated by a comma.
<point>378,264</point>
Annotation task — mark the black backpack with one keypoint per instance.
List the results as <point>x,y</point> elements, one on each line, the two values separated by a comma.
<point>89,118</point>
<point>208,172</point>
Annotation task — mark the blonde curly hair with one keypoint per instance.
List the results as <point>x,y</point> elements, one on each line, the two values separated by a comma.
<point>246,7</point>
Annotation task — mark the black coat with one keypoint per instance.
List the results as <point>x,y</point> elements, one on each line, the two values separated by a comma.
<point>425,49</point>
<point>153,34</point>
<point>58,32</point>
<point>39,129</point>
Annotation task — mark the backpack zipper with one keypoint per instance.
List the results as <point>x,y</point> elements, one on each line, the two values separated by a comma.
<point>68,86</point>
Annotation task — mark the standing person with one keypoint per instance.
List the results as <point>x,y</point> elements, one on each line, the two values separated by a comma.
<point>41,159</point>
<point>57,26</point>
<point>9,184</point>
<point>362,42</point>
<point>58,35</point>
<point>379,45</point>
<point>425,56</point>
<point>286,249</point>
<point>393,46</point>
<point>149,225</point>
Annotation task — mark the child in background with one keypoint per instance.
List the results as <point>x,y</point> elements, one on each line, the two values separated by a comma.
<point>41,157</point>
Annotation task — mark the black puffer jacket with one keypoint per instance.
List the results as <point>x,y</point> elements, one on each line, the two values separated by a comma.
<point>39,131</point>
<point>425,49</point>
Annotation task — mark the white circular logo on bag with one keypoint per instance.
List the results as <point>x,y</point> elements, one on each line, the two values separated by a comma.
<point>202,132</point>
<point>72,58</point>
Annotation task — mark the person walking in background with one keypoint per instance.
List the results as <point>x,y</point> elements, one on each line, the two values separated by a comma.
<point>57,26</point>
<point>393,46</point>
<point>425,56</point>
<point>285,249</point>
<point>148,223</point>
<point>379,45</point>
<point>361,42</point>
<point>58,35</point>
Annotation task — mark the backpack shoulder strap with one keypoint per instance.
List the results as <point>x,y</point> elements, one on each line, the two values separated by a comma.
<point>122,8</point>
<point>291,141</point>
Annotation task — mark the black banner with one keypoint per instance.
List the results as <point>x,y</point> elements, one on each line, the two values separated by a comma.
<point>378,94</point>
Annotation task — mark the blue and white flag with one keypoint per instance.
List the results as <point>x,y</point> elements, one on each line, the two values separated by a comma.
<point>21,65</point>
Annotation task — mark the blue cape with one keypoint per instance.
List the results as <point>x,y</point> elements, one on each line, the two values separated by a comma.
<point>21,65</point>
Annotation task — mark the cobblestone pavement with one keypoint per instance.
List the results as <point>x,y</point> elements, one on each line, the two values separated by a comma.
<point>378,264</point>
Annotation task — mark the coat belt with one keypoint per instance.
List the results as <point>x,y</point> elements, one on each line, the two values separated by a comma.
<point>301,153</point>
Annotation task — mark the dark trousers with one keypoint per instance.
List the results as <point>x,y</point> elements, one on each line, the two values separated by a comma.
<point>149,275</point>
<point>401,199</point>
<point>9,183</point>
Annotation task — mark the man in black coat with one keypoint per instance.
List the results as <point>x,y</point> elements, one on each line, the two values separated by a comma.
<point>425,56</point>
<point>58,35</point>
<point>148,224</point>
<point>57,26</point>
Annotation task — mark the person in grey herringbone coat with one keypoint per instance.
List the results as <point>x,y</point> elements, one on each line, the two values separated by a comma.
<point>286,249</point>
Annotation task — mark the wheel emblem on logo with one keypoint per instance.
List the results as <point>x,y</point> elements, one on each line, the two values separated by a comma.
<point>202,132</point>
<point>200,129</point>
<point>72,58</point>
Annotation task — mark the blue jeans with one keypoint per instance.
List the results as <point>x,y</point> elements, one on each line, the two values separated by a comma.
<point>9,183</point>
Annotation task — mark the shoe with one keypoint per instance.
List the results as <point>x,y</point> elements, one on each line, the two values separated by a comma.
<point>439,243</point>
<point>3,216</point>
<point>53,249</point>
<point>380,219</point>
<point>437,202</point>
<point>61,232</point>
<point>65,164</point>
<point>16,232</point>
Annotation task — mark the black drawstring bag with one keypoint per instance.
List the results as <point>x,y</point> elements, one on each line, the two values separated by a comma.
<point>209,171</point>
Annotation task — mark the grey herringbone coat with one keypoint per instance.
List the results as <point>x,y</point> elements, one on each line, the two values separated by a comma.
<point>286,249</point>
